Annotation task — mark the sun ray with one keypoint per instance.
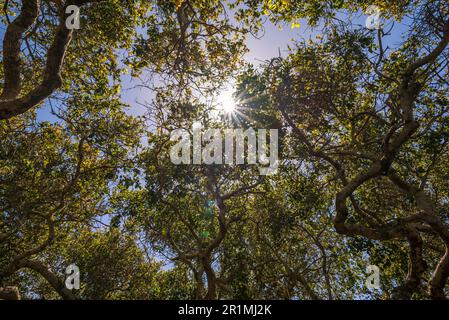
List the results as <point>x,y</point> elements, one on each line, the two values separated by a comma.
<point>226,102</point>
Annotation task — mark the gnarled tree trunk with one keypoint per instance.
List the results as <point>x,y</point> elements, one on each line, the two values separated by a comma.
<point>9,293</point>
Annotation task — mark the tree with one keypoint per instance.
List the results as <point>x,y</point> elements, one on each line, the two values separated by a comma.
<point>58,176</point>
<point>363,141</point>
<point>376,121</point>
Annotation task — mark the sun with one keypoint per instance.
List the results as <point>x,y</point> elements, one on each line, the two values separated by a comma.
<point>226,102</point>
<point>227,106</point>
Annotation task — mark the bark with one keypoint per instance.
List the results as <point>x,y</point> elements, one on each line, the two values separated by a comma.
<point>12,103</point>
<point>417,266</point>
<point>439,278</point>
<point>9,293</point>
<point>211,279</point>
<point>11,48</point>
<point>57,284</point>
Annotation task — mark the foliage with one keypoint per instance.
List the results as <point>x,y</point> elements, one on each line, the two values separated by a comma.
<point>363,135</point>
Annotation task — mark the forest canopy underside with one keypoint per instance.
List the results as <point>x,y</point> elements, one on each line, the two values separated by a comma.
<point>87,179</point>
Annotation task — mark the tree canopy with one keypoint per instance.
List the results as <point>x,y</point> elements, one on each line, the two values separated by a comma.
<point>362,117</point>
